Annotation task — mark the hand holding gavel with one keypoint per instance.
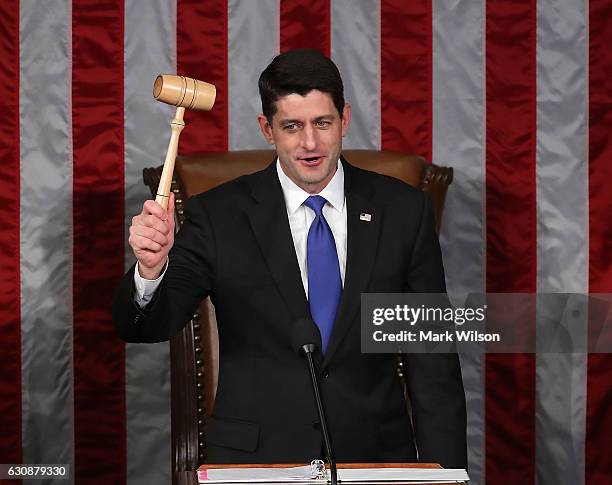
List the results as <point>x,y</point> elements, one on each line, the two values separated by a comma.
<point>152,231</point>
<point>152,237</point>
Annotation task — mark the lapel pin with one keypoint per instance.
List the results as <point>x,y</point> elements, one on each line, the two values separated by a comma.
<point>365,217</point>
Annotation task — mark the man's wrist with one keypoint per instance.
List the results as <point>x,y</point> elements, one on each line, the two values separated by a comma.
<point>145,288</point>
<point>150,274</point>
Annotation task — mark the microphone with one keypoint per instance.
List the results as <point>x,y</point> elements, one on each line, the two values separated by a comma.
<point>307,340</point>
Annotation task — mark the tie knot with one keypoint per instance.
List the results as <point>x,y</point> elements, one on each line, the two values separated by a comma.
<point>316,203</point>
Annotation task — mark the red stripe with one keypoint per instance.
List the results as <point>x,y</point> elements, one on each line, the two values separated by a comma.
<point>406,76</point>
<point>10,309</point>
<point>511,229</point>
<point>201,51</point>
<point>98,219</point>
<point>599,370</point>
<point>305,24</point>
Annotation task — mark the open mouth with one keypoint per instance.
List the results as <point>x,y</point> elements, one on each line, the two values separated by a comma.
<point>311,161</point>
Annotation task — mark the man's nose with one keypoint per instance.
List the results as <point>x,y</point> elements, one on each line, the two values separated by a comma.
<point>309,138</point>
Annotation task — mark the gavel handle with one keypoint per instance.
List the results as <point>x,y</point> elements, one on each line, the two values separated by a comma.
<point>163,190</point>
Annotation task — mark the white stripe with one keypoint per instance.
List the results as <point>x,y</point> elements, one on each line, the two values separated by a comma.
<point>253,41</point>
<point>355,48</point>
<point>150,49</point>
<point>562,205</point>
<point>45,233</point>
<point>458,141</point>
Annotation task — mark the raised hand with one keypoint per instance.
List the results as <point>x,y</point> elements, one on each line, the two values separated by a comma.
<point>152,237</point>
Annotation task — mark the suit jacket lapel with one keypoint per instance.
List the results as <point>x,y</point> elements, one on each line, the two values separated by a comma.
<point>362,242</point>
<point>268,218</point>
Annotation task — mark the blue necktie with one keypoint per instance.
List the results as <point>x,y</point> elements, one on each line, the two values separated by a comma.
<point>324,283</point>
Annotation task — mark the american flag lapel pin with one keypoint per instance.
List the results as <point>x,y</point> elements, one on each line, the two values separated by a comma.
<point>364,216</point>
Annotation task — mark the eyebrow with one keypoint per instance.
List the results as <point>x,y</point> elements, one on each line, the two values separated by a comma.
<point>287,121</point>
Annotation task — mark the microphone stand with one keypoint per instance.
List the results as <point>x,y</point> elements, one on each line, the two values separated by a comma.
<point>308,350</point>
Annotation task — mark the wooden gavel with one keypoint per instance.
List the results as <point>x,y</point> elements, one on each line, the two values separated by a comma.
<point>182,92</point>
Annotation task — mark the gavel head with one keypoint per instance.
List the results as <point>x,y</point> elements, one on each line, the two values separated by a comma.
<point>184,91</point>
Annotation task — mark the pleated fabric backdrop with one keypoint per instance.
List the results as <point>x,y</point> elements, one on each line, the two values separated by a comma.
<point>514,94</point>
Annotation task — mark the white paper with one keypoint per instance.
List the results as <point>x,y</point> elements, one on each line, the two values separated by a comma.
<point>302,474</point>
<point>422,475</point>
<point>298,474</point>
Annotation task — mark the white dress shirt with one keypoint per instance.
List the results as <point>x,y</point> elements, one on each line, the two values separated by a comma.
<point>300,218</point>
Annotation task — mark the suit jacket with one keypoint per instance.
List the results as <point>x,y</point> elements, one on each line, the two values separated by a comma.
<point>236,246</point>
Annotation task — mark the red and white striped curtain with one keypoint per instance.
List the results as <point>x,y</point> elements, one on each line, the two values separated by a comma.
<point>514,94</point>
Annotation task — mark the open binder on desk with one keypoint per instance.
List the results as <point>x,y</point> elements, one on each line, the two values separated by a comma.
<point>317,474</point>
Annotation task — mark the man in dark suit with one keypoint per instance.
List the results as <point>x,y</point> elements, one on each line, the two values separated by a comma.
<point>303,238</point>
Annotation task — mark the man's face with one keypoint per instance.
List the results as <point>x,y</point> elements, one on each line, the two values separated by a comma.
<point>307,131</point>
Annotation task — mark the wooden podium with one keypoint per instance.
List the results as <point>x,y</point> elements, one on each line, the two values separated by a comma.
<point>191,477</point>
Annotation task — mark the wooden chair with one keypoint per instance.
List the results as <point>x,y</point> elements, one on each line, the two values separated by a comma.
<point>194,351</point>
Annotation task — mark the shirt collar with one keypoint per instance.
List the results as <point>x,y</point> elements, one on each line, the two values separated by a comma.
<point>295,196</point>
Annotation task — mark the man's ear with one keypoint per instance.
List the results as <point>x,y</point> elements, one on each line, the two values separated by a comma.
<point>346,118</point>
<point>266,129</point>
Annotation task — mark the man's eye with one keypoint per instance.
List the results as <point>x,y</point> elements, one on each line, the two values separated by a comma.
<point>290,126</point>
<point>323,124</point>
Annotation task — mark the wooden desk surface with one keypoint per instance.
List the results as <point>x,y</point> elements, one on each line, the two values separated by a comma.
<point>191,478</point>
<point>209,466</point>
